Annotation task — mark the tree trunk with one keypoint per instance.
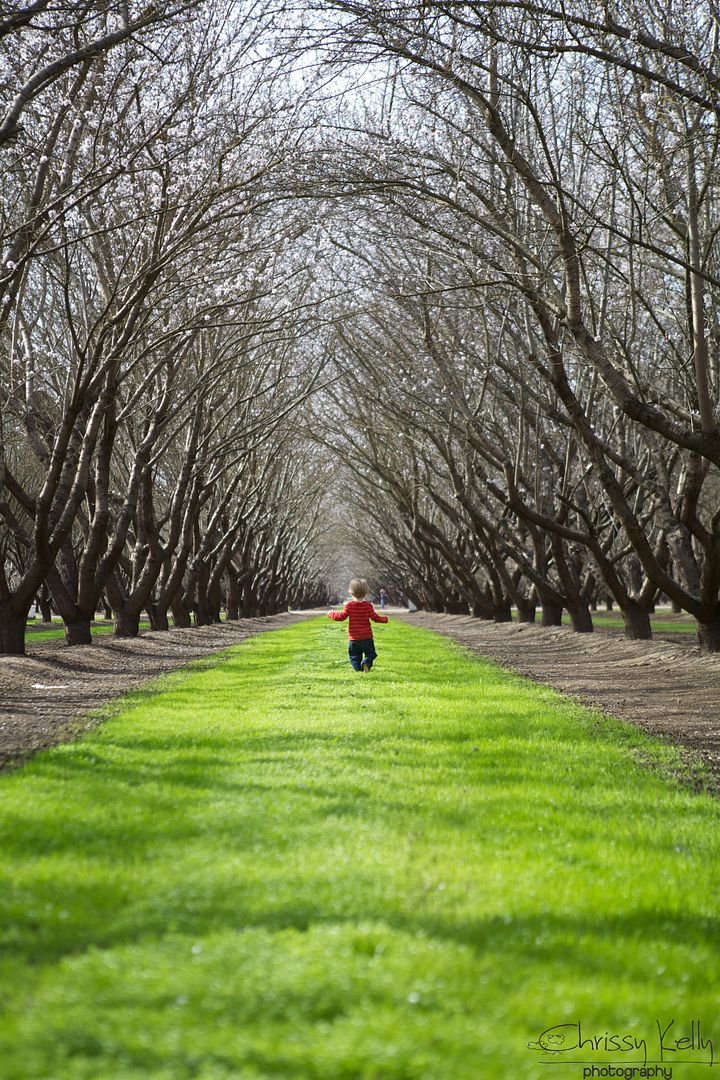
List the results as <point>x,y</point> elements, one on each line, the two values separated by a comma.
<point>708,633</point>
<point>526,611</point>
<point>180,613</point>
<point>158,617</point>
<point>44,603</point>
<point>609,604</point>
<point>127,625</point>
<point>207,610</point>
<point>210,604</point>
<point>675,607</point>
<point>551,613</point>
<point>151,612</point>
<point>637,623</point>
<point>233,598</point>
<point>77,632</point>
<point>581,618</point>
<point>502,612</point>
<point>12,631</point>
<point>76,620</point>
<point>249,601</point>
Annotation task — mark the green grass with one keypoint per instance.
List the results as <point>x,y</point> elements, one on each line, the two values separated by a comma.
<point>658,624</point>
<point>600,621</point>
<point>32,635</point>
<point>275,868</point>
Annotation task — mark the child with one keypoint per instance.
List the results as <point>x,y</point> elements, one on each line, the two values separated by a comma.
<point>359,610</point>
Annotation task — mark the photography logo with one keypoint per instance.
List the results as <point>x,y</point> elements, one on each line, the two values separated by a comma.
<point>625,1055</point>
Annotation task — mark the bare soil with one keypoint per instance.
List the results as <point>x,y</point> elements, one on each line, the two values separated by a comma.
<point>664,686</point>
<point>53,693</point>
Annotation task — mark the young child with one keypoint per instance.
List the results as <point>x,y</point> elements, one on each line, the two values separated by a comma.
<point>359,610</point>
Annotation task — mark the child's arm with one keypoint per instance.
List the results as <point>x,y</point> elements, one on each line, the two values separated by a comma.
<point>375,617</point>
<point>338,616</point>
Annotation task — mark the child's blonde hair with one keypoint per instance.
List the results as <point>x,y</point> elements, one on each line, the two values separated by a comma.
<point>359,588</point>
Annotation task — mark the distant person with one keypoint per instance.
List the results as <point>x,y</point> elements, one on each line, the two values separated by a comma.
<point>383,599</point>
<point>359,610</point>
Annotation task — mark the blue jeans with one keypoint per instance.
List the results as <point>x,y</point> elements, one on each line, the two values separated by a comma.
<point>359,649</point>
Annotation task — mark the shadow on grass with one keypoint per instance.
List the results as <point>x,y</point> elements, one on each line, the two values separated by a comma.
<point>612,945</point>
<point>146,812</point>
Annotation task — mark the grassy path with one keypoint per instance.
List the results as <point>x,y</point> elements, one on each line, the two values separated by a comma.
<point>275,868</point>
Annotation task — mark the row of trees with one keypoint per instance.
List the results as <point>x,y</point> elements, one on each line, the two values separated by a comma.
<point>154,319</point>
<point>534,331</point>
<point>483,262</point>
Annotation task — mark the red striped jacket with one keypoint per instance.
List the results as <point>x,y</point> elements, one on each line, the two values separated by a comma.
<point>359,612</point>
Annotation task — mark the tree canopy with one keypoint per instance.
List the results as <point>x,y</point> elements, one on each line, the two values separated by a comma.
<point>430,290</point>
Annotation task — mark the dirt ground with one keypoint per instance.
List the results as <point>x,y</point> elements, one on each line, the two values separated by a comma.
<point>664,686</point>
<point>44,695</point>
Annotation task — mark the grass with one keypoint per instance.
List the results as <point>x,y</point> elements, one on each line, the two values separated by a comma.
<point>275,869</point>
<point>32,635</point>
<point>658,624</point>
<point>600,621</point>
